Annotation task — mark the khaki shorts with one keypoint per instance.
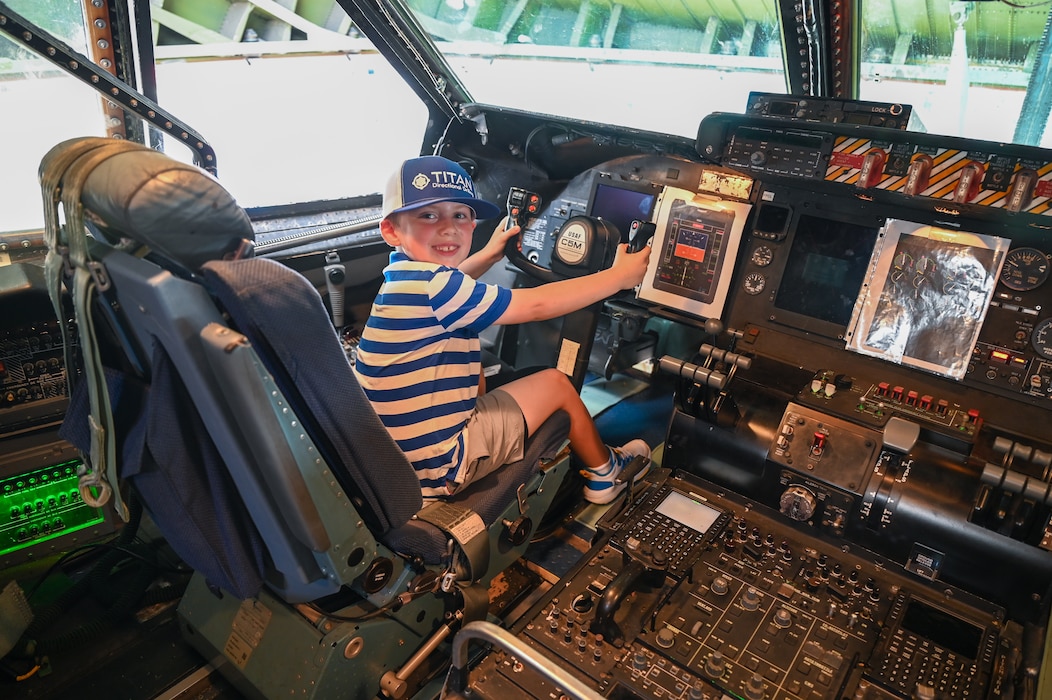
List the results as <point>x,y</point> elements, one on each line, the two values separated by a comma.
<point>495,435</point>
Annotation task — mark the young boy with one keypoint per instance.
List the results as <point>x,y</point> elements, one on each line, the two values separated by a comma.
<point>419,359</point>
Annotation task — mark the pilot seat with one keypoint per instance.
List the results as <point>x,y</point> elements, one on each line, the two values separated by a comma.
<point>214,389</point>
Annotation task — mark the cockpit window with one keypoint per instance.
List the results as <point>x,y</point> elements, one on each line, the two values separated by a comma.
<point>298,109</point>
<point>623,63</point>
<point>303,108</point>
<point>40,105</point>
<point>971,69</point>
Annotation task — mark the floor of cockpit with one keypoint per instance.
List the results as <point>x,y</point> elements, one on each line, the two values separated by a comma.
<point>144,658</point>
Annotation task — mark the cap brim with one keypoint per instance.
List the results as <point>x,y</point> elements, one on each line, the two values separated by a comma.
<point>482,208</point>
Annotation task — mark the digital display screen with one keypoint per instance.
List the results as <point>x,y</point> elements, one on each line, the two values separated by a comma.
<point>771,219</point>
<point>949,632</point>
<point>686,511</point>
<point>787,138</point>
<point>827,263</point>
<point>690,254</point>
<point>691,244</point>
<point>781,108</point>
<point>621,205</point>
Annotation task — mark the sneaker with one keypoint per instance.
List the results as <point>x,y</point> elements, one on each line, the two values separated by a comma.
<point>601,487</point>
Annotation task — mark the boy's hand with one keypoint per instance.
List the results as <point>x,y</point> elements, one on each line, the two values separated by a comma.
<point>505,231</point>
<point>477,264</point>
<point>631,266</point>
<point>499,238</point>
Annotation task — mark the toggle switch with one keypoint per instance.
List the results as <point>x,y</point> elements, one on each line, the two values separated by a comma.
<point>872,168</point>
<point>968,183</point>
<point>918,174</point>
<point>819,444</point>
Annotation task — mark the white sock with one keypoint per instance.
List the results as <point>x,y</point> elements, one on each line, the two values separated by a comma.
<point>604,468</point>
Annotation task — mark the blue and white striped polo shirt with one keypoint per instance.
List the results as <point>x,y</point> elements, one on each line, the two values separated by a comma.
<point>420,357</point>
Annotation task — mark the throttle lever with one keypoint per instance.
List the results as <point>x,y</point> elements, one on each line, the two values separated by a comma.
<point>642,564</point>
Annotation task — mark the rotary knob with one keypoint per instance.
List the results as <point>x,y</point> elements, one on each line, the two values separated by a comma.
<point>665,638</point>
<point>750,599</point>
<point>754,687</point>
<point>720,586</point>
<point>714,665</point>
<point>797,503</point>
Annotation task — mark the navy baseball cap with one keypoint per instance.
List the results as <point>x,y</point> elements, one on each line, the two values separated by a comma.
<point>429,180</point>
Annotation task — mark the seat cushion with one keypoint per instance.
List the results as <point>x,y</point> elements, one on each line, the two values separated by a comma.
<point>488,497</point>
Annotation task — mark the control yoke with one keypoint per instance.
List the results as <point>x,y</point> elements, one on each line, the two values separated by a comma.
<point>583,244</point>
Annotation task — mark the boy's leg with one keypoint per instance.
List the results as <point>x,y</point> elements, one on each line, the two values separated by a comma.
<point>541,394</point>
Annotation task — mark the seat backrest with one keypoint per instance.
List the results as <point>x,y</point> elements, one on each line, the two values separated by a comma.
<point>284,319</point>
<point>249,491</point>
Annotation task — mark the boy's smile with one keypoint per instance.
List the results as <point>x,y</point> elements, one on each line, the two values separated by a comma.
<point>437,233</point>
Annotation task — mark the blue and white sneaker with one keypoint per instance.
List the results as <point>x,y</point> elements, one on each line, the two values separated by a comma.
<point>602,486</point>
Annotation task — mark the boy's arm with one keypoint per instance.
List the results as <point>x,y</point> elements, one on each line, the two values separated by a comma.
<point>565,296</point>
<point>476,265</point>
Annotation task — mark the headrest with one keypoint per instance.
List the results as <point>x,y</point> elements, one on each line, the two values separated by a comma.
<point>176,209</point>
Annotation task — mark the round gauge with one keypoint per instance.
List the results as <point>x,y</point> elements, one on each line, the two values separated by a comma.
<point>762,256</point>
<point>1024,269</point>
<point>1041,338</point>
<point>754,283</point>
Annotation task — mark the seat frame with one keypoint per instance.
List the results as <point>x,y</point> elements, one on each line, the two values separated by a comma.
<point>317,541</point>
<point>340,612</point>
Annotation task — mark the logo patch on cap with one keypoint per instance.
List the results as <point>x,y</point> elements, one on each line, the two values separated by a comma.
<point>420,181</point>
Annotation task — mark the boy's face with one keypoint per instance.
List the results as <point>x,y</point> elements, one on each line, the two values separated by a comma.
<point>436,233</point>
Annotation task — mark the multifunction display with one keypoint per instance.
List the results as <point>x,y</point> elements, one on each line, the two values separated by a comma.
<point>692,253</point>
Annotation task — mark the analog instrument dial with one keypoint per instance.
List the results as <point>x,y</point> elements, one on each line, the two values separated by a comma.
<point>1024,269</point>
<point>762,256</point>
<point>754,283</point>
<point>1041,338</point>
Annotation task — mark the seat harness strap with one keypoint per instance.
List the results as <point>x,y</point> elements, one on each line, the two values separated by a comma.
<point>62,179</point>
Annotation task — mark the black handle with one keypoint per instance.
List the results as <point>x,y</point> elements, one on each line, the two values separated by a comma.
<point>640,233</point>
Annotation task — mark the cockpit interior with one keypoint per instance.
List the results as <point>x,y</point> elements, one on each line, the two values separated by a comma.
<point>840,355</point>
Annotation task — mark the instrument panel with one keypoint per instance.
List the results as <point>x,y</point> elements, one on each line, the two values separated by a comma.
<point>862,442</point>
<point>947,174</point>
<point>781,254</point>
<point>756,610</point>
<point>699,214</point>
